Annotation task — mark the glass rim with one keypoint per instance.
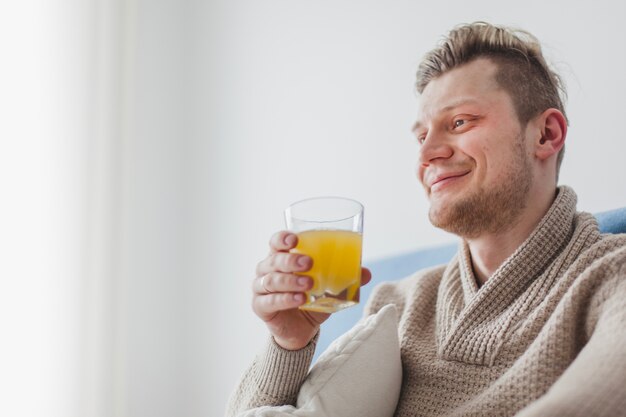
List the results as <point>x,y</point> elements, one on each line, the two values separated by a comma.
<point>329,197</point>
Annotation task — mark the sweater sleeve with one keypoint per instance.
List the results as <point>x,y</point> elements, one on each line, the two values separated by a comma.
<point>273,379</point>
<point>595,382</point>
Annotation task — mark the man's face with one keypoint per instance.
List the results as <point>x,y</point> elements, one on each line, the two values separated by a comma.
<point>473,161</point>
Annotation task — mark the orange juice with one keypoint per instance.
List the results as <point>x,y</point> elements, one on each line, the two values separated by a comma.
<point>336,270</point>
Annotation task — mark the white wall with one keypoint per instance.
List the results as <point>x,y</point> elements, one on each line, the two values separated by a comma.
<point>207,119</point>
<point>43,85</point>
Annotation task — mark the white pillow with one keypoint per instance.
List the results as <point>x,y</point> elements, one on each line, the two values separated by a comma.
<point>359,375</point>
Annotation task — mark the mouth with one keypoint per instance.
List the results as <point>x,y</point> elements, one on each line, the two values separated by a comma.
<point>444,180</point>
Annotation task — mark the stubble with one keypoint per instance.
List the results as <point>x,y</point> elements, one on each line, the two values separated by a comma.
<point>489,210</point>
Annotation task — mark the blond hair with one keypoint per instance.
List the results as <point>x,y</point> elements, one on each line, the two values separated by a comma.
<point>522,70</point>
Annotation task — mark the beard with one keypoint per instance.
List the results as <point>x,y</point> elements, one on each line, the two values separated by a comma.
<point>488,210</point>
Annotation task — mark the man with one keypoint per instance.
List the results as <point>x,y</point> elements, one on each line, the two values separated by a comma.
<point>528,318</point>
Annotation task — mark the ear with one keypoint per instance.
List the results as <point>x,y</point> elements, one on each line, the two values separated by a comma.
<point>553,128</point>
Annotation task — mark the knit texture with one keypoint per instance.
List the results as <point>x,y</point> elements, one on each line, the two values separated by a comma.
<point>274,378</point>
<point>544,336</point>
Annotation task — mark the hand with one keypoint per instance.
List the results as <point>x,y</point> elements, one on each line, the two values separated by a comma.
<point>277,292</point>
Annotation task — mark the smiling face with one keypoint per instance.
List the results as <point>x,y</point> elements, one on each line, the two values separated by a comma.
<point>474,162</point>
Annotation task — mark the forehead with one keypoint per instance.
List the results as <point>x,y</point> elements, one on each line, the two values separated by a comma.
<point>474,82</point>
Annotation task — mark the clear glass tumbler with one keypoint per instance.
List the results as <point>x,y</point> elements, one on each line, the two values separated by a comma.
<point>330,230</point>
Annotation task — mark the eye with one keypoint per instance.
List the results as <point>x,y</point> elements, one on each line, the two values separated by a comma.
<point>421,136</point>
<point>464,121</point>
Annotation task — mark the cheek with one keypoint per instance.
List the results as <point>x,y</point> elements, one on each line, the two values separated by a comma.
<point>475,143</point>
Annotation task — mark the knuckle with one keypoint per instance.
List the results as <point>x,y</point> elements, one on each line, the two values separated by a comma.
<point>292,279</point>
<point>270,303</point>
<point>275,261</point>
<point>282,261</point>
<point>268,282</point>
<point>287,298</point>
<point>290,262</point>
<point>271,282</point>
<point>276,242</point>
<point>282,280</point>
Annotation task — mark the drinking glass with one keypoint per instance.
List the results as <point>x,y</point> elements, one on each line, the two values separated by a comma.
<point>330,230</point>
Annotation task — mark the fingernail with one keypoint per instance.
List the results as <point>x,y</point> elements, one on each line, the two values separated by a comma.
<point>290,240</point>
<point>303,281</point>
<point>298,297</point>
<point>303,261</point>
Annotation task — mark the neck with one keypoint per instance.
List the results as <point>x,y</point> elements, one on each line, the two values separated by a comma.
<point>490,250</point>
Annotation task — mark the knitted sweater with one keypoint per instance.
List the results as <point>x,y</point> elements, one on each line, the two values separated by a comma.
<point>544,336</point>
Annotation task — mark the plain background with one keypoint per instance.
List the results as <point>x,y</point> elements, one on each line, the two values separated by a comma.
<point>150,147</point>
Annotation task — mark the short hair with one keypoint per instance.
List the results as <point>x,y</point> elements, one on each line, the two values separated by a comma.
<point>522,70</point>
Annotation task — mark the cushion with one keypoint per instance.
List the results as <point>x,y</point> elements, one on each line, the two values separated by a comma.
<point>359,375</point>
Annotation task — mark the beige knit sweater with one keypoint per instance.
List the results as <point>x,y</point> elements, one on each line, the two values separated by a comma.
<point>545,335</point>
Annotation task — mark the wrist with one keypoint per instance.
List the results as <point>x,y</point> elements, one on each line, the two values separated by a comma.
<point>295,344</point>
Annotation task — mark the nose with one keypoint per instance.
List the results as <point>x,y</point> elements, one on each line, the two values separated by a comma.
<point>435,146</point>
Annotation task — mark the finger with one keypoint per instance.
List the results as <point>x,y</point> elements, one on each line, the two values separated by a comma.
<point>366,276</point>
<point>283,241</point>
<point>281,282</point>
<point>284,262</point>
<point>265,306</point>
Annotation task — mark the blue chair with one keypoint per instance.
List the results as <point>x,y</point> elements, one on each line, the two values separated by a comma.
<point>400,266</point>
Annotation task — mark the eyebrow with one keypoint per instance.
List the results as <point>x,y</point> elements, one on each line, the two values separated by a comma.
<point>454,104</point>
